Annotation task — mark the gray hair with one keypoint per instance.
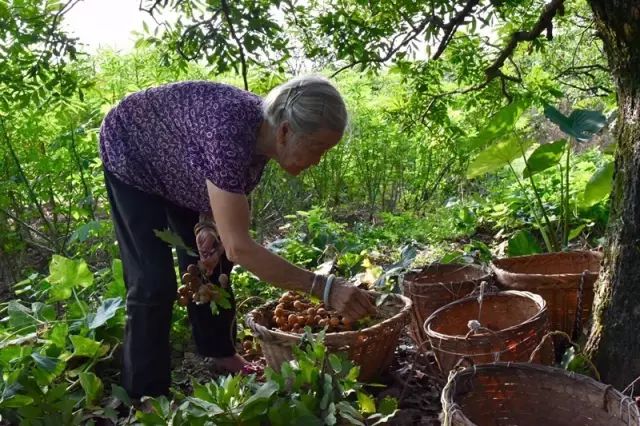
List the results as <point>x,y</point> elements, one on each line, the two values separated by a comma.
<point>308,103</point>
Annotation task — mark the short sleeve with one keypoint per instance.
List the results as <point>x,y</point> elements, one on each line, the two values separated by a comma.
<point>229,144</point>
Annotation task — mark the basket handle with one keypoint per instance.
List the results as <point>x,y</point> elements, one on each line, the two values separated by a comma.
<point>550,334</point>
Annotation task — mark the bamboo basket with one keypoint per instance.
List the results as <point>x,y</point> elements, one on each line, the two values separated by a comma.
<point>371,348</point>
<point>564,280</point>
<point>532,395</point>
<point>513,323</point>
<point>435,286</point>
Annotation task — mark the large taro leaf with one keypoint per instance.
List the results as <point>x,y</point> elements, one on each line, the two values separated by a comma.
<point>544,157</point>
<point>581,124</point>
<point>497,156</point>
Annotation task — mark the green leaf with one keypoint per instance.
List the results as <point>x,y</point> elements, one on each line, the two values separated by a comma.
<point>116,287</point>
<point>105,312</point>
<point>523,243</point>
<point>500,123</point>
<point>545,156</point>
<point>48,364</point>
<point>66,274</point>
<point>388,405</point>
<point>599,186</point>
<point>83,346</point>
<point>120,394</point>
<point>581,124</point>
<point>576,231</point>
<point>174,240</point>
<point>496,156</point>
<point>367,405</point>
<point>92,386</point>
<point>16,401</point>
<point>20,317</point>
<point>58,335</point>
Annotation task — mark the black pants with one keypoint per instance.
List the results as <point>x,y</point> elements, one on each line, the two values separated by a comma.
<point>150,278</point>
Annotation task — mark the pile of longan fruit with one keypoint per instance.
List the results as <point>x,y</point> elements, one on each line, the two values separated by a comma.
<point>294,312</point>
<point>197,288</point>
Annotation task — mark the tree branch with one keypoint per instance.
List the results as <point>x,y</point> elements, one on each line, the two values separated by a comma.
<point>451,27</point>
<point>544,22</point>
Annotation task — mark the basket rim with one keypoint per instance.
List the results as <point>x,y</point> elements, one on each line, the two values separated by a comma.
<point>536,298</point>
<point>411,277</point>
<point>495,263</point>
<point>451,408</point>
<point>261,329</point>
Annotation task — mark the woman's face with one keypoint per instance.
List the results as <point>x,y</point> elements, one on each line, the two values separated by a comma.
<point>298,152</point>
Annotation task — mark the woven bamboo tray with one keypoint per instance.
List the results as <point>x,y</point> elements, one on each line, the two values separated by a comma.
<point>532,395</point>
<point>513,322</point>
<point>371,348</point>
<point>558,278</point>
<point>435,286</point>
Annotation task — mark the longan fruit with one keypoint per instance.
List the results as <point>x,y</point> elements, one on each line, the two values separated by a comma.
<point>292,319</point>
<point>298,305</point>
<point>183,301</point>
<point>334,321</point>
<point>321,311</point>
<point>279,311</point>
<point>311,312</point>
<point>247,345</point>
<point>193,269</point>
<point>323,322</point>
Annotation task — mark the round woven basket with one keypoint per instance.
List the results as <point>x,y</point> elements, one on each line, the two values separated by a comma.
<point>564,280</point>
<point>435,286</point>
<point>371,348</point>
<point>513,323</point>
<point>532,395</point>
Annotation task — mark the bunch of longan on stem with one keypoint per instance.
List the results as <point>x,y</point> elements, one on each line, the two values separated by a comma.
<point>197,288</point>
<point>294,312</point>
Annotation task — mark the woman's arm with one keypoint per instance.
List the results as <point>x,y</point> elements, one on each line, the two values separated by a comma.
<point>232,217</point>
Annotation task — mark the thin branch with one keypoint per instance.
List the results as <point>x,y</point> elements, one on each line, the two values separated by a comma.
<point>243,61</point>
<point>544,22</point>
<point>451,27</point>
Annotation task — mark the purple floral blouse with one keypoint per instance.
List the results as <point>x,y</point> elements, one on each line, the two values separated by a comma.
<point>168,140</point>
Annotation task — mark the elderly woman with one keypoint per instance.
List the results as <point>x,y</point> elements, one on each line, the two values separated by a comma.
<point>185,156</point>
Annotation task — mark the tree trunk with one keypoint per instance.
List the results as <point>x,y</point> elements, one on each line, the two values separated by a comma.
<point>614,341</point>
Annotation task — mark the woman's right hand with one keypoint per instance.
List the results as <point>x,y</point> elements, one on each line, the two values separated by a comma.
<point>350,301</point>
<point>209,247</point>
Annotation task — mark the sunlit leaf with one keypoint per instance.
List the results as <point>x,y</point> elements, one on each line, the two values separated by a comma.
<point>599,186</point>
<point>544,157</point>
<point>497,156</point>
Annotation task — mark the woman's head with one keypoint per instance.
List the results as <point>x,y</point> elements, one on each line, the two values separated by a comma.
<point>308,117</point>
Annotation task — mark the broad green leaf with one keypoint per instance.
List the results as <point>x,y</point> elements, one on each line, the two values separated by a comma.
<point>367,405</point>
<point>174,240</point>
<point>105,312</point>
<point>500,123</point>
<point>92,386</point>
<point>545,156</point>
<point>388,405</point>
<point>83,346</point>
<point>66,274</point>
<point>523,243</point>
<point>21,317</point>
<point>16,401</point>
<point>576,231</point>
<point>581,124</point>
<point>496,156</point>
<point>599,186</point>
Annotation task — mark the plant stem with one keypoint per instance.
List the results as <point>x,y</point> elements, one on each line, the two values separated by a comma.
<point>545,237</point>
<point>554,242</point>
<point>565,210</point>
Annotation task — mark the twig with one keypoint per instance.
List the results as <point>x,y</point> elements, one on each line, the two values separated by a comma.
<point>243,61</point>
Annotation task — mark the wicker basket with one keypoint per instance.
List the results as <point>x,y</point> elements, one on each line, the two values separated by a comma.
<point>557,277</point>
<point>514,322</point>
<point>372,348</point>
<point>435,286</point>
<point>532,395</point>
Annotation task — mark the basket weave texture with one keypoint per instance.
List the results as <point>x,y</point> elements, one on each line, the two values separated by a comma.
<point>532,395</point>
<point>557,277</point>
<point>513,323</point>
<point>371,348</point>
<point>435,286</point>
